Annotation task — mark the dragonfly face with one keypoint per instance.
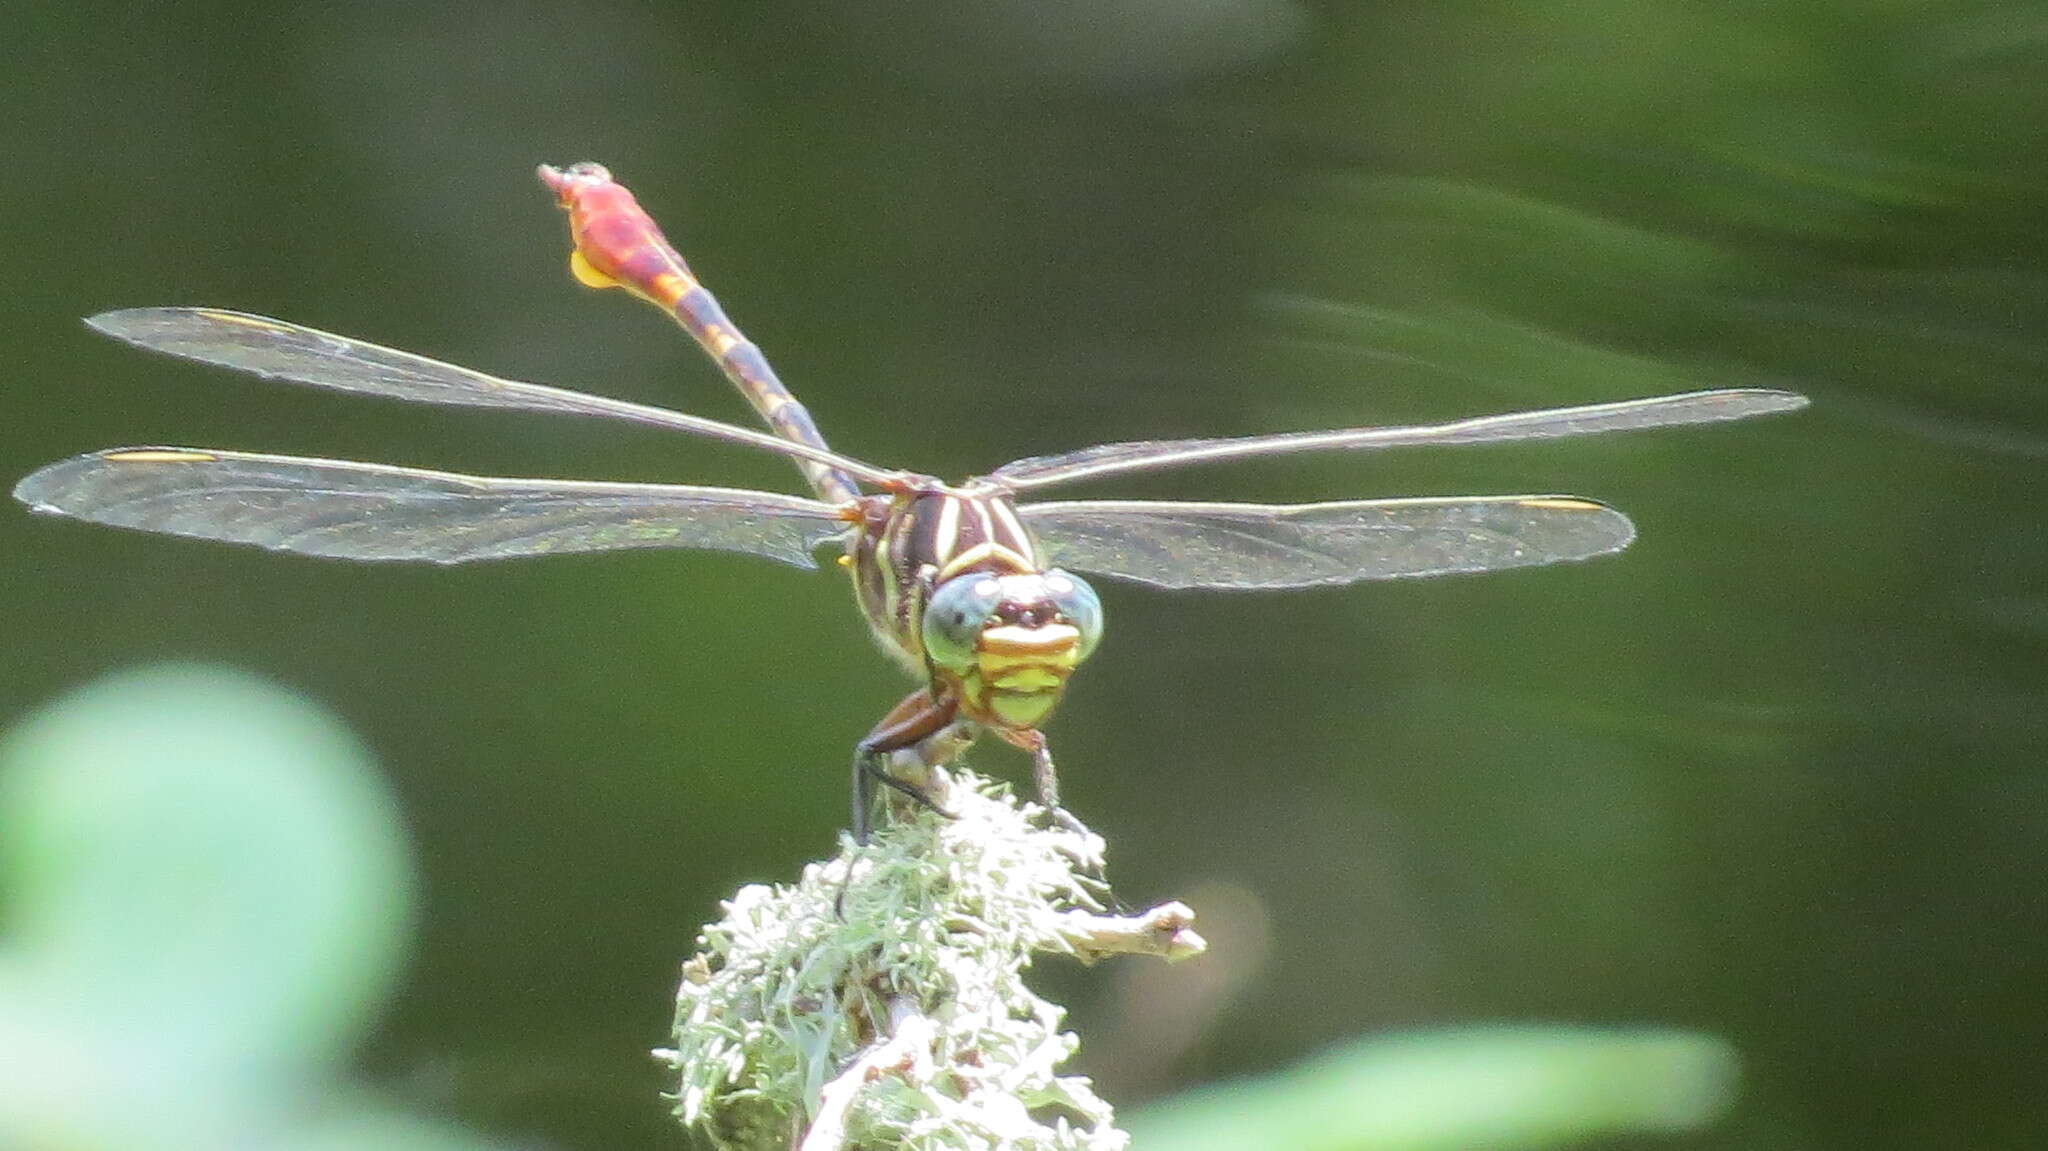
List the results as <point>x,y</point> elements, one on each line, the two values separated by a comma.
<point>1006,643</point>
<point>955,581</point>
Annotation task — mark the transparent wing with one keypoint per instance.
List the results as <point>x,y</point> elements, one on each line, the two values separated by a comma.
<point>1149,455</point>
<point>380,512</point>
<point>275,349</point>
<point>1249,546</point>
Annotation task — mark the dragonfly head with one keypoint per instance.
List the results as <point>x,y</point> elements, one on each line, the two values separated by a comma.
<point>1009,641</point>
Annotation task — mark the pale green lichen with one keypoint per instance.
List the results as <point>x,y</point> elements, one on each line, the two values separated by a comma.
<point>910,973</point>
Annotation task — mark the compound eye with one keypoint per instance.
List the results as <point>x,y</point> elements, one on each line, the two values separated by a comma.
<point>954,617</point>
<point>1077,604</point>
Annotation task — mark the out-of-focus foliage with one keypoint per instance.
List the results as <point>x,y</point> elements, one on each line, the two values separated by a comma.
<point>206,893</point>
<point>1499,1088</point>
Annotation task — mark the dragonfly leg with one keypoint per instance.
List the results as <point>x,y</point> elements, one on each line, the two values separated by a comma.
<point>921,726</point>
<point>1042,774</point>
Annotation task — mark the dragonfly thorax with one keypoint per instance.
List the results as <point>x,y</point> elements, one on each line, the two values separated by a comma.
<point>955,584</point>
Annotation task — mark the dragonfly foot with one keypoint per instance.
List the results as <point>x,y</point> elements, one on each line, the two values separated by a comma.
<point>1066,821</point>
<point>870,767</point>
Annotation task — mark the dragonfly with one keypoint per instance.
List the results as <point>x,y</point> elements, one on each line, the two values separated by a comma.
<point>975,589</point>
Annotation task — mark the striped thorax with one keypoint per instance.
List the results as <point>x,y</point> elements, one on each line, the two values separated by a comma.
<point>957,587</point>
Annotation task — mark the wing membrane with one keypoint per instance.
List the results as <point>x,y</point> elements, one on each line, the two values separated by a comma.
<point>365,511</point>
<point>1251,546</point>
<point>275,349</point>
<point>1149,455</point>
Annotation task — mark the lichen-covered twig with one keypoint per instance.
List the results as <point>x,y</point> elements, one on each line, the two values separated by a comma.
<point>879,1001</point>
<point>906,1052</point>
<point>1166,931</point>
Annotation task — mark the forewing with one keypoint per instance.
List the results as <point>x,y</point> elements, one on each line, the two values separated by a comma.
<point>365,511</point>
<point>1151,455</point>
<point>276,349</point>
<point>1251,546</point>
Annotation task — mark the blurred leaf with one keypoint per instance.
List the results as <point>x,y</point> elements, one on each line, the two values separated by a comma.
<point>1432,288</point>
<point>1481,1088</point>
<point>1116,42</point>
<point>1479,357</point>
<point>201,866</point>
<point>363,1126</point>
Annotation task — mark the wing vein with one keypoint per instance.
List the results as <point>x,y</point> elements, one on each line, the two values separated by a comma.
<point>279,350</point>
<point>383,512</point>
<point>1249,546</point>
<point>1590,419</point>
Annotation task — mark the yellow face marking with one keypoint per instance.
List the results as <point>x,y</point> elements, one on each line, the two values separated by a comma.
<point>157,456</point>
<point>586,273</point>
<point>1059,665</point>
<point>1027,679</point>
<point>1023,710</point>
<point>256,322</point>
<point>844,561</point>
<point>1563,503</point>
<point>1010,639</point>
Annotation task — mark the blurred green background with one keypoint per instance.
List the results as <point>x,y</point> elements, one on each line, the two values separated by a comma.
<point>1775,774</point>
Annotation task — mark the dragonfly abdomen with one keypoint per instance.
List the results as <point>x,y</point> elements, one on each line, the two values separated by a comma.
<point>618,245</point>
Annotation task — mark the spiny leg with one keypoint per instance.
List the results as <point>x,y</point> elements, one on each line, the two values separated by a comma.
<point>1043,776</point>
<point>918,718</point>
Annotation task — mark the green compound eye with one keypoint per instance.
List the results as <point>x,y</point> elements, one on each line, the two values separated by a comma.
<point>954,618</point>
<point>1078,605</point>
